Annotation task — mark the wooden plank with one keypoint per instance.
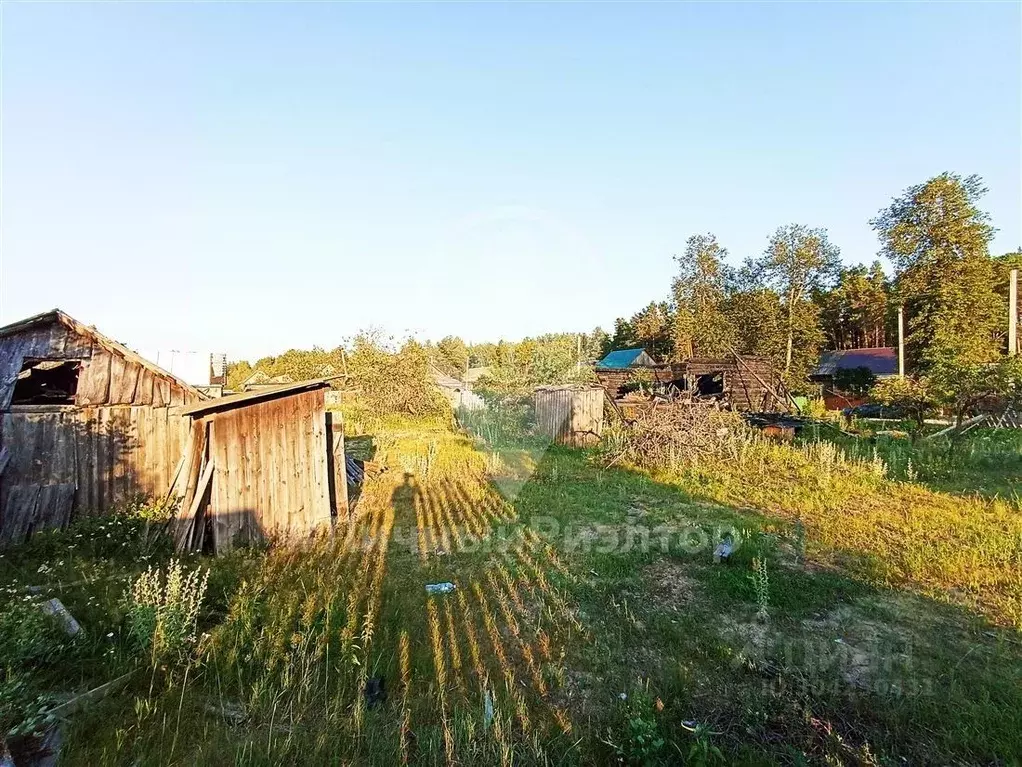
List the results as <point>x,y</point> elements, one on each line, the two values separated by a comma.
<point>296,517</point>
<point>189,520</point>
<point>125,446</point>
<point>196,454</point>
<point>185,473</point>
<point>19,512</point>
<point>53,508</point>
<point>338,474</point>
<point>57,340</point>
<point>247,499</point>
<point>123,379</point>
<point>94,380</point>
<point>323,517</point>
<point>222,486</point>
<point>175,480</point>
<point>144,390</point>
<point>272,437</point>
<point>966,424</point>
<point>177,396</point>
<point>261,488</point>
<point>161,392</point>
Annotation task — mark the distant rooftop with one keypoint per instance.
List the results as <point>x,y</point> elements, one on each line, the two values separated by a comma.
<point>626,358</point>
<point>881,361</point>
<point>472,375</point>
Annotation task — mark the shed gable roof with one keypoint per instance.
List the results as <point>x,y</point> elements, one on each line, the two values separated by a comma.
<point>56,315</point>
<point>217,404</point>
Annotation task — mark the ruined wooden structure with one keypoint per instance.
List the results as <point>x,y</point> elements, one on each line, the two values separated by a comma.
<point>744,383</point>
<point>85,424</point>
<point>571,414</point>
<point>261,464</point>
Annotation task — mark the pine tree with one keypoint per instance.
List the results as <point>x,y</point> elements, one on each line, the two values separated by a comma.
<point>854,314</point>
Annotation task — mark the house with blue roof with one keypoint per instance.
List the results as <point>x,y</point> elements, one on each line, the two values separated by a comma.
<point>620,359</point>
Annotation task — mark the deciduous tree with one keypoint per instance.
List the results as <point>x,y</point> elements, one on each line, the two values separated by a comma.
<point>699,292</point>
<point>797,262</point>
<point>938,239</point>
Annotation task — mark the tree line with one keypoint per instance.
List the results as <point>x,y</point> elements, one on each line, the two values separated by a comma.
<point>797,298</point>
<point>786,304</point>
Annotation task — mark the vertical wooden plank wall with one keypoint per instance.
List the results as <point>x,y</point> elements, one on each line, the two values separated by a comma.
<point>105,455</point>
<point>271,469</point>
<point>570,416</point>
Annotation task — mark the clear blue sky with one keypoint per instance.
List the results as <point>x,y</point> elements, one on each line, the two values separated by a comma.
<point>256,177</point>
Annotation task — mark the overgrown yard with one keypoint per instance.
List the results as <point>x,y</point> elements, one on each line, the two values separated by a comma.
<point>859,621</point>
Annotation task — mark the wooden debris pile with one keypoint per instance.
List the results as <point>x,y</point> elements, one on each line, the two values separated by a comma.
<point>668,435</point>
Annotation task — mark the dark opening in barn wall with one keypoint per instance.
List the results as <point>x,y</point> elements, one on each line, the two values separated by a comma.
<point>710,383</point>
<point>46,382</point>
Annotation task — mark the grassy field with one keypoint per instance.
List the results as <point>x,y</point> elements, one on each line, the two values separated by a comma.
<point>861,620</point>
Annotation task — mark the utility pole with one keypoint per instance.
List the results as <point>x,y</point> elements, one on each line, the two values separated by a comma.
<point>1013,314</point>
<point>578,354</point>
<point>901,341</point>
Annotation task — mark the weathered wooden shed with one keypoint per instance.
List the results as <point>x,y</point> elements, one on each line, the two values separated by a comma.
<point>85,424</point>
<point>267,463</point>
<point>571,414</point>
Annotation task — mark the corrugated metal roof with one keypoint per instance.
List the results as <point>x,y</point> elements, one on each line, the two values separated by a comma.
<point>625,358</point>
<point>881,361</point>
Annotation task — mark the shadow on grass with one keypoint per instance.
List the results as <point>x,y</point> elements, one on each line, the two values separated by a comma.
<point>841,665</point>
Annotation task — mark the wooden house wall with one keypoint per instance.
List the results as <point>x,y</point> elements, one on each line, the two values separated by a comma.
<point>614,379</point>
<point>271,469</point>
<point>70,462</point>
<point>119,439</point>
<point>570,416</point>
<point>105,377</point>
<point>744,382</point>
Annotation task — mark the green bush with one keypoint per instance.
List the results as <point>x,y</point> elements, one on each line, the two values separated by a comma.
<point>23,709</point>
<point>27,634</point>
<point>506,421</point>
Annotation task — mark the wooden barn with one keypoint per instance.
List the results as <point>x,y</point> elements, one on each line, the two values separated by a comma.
<point>260,464</point>
<point>571,414</point>
<point>85,424</point>
<point>745,383</point>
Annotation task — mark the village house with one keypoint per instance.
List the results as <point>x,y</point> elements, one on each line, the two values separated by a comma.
<point>875,364</point>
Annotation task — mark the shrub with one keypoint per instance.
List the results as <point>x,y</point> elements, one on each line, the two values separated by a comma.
<point>912,396</point>
<point>27,635</point>
<point>132,533</point>
<point>506,421</point>
<point>638,739</point>
<point>394,382</point>
<point>23,709</point>
<point>162,610</point>
<point>157,511</point>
